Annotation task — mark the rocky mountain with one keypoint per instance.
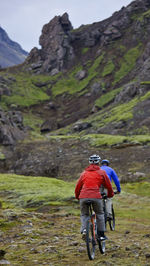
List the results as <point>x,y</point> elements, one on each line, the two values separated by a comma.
<point>87,90</point>
<point>11,52</point>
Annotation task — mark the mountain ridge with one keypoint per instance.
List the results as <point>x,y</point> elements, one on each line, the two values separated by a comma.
<point>11,52</point>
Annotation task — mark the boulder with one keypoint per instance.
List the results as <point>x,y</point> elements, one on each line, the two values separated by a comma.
<point>79,126</point>
<point>96,88</point>
<point>48,126</point>
<point>80,74</point>
<point>11,127</point>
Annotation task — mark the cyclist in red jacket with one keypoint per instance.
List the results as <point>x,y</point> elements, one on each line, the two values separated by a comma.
<point>88,187</point>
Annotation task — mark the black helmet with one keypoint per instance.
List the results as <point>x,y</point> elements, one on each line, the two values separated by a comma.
<point>94,159</point>
<point>105,161</point>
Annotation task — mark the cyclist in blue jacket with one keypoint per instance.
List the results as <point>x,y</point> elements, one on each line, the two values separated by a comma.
<point>113,177</point>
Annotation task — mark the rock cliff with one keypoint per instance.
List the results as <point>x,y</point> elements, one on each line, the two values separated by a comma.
<point>61,45</point>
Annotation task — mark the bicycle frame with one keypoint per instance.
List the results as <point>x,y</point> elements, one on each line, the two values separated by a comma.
<point>111,221</point>
<point>91,234</point>
<point>93,220</point>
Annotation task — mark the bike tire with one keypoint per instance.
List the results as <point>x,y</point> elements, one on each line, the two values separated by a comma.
<point>101,245</point>
<point>112,221</point>
<point>90,241</point>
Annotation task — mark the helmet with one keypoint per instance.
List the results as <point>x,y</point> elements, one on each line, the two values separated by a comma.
<point>94,159</point>
<point>105,161</point>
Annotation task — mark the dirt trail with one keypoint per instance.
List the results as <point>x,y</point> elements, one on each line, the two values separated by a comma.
<point>54,239</point>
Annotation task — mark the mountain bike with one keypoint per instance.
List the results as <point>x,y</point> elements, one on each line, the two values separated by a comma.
<point>109,220</point>
<point>91,234</point>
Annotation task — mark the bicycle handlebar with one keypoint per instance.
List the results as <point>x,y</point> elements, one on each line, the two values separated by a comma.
<point>104,195</point>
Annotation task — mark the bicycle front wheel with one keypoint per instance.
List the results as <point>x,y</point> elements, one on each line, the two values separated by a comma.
<point>112,221</point>
<point>90,240</point>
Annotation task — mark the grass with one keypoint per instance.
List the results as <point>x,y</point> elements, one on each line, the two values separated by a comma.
<point>53,235</point>
<point>143,16</point>
<point>98,140</point>
<point>32,121</point>
<point>85,50</point>
<point>139,188</point>
<point>24,190</point>
<point>24,92</point>
<point>127,63</point>
<point>107,98</point>
<point>71,85</point>
<point>121,112</point>
<point>108,69</point>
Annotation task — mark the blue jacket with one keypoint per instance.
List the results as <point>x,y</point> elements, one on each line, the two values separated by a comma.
<point>112,176</point>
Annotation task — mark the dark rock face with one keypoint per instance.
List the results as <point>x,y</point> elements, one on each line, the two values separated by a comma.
<point>11,52</point>
<point>61,45</point>
<point>55,42</point>
<point>11,127</point>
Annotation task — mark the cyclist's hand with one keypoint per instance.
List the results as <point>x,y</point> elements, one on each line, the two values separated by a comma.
<point>116,192</point>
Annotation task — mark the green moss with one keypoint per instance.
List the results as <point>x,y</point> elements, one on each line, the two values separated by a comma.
<point>98,140</point>
<point>85,50</point>
<point>35,190</point>
<point>122,48</point>
<point>24,91</point>
<point>122,112</point>
<point>145,82</point>
<point>2,156</point>
<point>32,121</point>
<point>140,188</point>
<point>143,16</point>
<point>142,130</point>
<point>108,69</point>
<point>145,97</point>
<point>5,225</point>
<point>128,63</point>
<point>71,85</point>
<point>106,98</point>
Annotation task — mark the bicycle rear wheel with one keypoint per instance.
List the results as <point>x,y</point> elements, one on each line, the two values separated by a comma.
<point>90,240</point>
<point>112,220</point>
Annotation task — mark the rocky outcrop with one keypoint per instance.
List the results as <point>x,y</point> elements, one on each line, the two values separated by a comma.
<point>56,46</point>
<point>11,127</point>
<point>61,45</point>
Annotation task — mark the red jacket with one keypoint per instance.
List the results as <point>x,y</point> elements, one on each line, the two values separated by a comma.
<point>90,181</point>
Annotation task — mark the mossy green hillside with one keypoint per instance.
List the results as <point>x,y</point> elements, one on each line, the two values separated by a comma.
<point>112,114</point>
<point>24,91</point>
<point>27,190</point>
<point>127,63</point>
<point>108,68</point>
<point>98,140</point>
<point>106,98</point>
<point>138,188</point>
<point>139,193</point>
<point>33,121</point>
<point>121,112</point>
<point>70,84</point>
